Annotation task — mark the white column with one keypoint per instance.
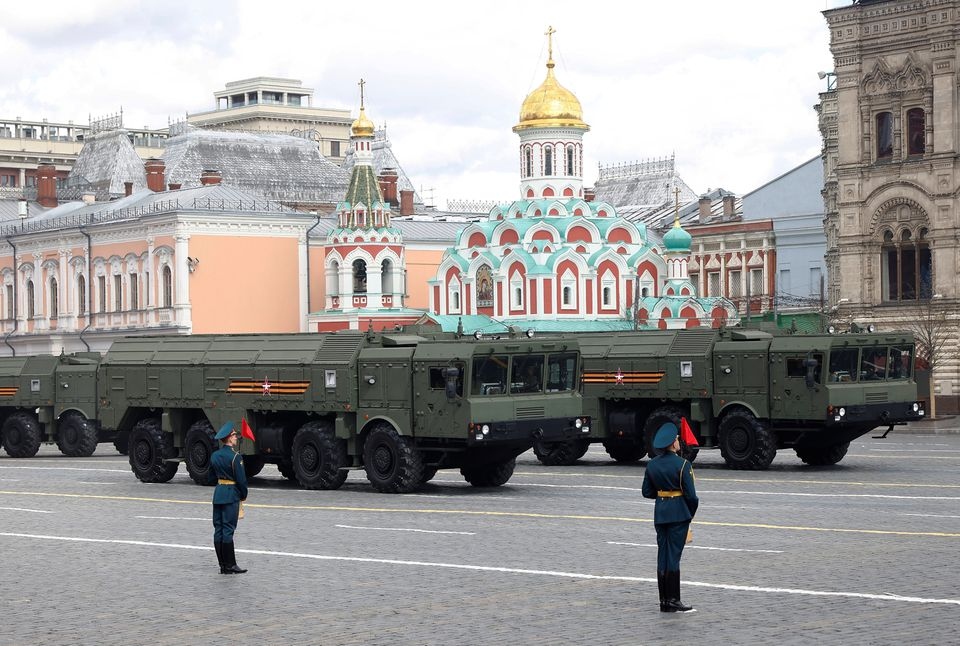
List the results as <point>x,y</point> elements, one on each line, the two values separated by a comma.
<point>346,286</point>
<point>181,299</point>
<point>65,295</point>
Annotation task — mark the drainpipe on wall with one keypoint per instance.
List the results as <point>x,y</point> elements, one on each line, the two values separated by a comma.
<point>89,288</point>
<point>315,225</point>
<point>16,319</point>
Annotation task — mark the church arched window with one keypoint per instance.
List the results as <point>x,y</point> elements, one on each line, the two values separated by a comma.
<point>54,299</point>
<point>167,288</point>
<point>916,131</point>
<point>386,277</point>
<point>548,160</point>
<point>884,135</point>
<point>570,158</point>
<point>81,295</point>
<point>906,266</point>
<point>527,162</point>
<point>359,276</point>
<point>31,304</point>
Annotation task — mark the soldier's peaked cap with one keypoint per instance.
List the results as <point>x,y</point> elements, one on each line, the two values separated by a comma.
<point>224,431</point>
<point>665,436</point>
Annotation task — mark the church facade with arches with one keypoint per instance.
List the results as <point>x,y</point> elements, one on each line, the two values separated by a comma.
<point>558,259</point>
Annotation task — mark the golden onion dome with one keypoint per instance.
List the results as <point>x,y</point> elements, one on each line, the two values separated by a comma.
<point>551,105</point>
<point>362,127</point>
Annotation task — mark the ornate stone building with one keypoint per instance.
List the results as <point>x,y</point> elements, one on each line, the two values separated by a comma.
<point>891,138</point>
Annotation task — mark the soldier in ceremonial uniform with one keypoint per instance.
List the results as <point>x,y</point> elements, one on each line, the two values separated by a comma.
<point>231,490</point>
<point>669,480</point>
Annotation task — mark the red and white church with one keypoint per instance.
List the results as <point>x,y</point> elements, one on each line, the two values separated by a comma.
<point>558,260</point>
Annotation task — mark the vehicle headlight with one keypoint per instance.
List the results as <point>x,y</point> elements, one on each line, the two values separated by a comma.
<point>485,429</point>
<point>916,407</point>
<point>578,423</point>
<point>842,411</point>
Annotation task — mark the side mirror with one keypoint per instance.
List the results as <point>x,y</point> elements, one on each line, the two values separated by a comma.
<point>811,365</point>
<point>451,375</point>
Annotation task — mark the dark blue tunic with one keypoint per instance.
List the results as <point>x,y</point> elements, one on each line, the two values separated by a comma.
<point>669,473</point>
<point>228,465</point>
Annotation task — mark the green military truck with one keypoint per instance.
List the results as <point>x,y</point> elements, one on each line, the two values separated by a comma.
<point>746,392</point>
<point>398,405</point>
<point>50,399</point>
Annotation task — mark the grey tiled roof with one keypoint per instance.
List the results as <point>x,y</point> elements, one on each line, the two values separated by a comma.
<point>10,210</point>
<point>105,162</point>
<point>660,219</point>
<point>639,185</point>
<point>383,157</point>
<point>280,166</point>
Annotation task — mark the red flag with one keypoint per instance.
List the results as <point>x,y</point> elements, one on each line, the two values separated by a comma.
<point>246,431</point>
<point>686,433</point>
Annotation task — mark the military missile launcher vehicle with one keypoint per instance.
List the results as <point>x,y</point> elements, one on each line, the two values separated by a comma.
<point>50,399</point>
<point>398,405</point>
<point>744,391</point>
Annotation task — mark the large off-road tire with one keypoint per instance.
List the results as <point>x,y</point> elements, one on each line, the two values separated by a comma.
<point>76,436</point>
<point>149,452</point>
<point>197,449</point>
<point>253,465</point>
<point>21,435</point>
<point>428,474</point>
<point>392,462</point>
<point>822,455</point>
<point>624,451</point>
<point>560,454</point>
<point>656,419</point>
<point>746,442</point>
<point>319,458</point>
<point>489,475</point>
<point>121,442</point>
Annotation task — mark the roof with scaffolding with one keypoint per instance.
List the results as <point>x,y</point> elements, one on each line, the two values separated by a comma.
<point>641,185</point>
<point>106,161</point>
<point>383,158</point>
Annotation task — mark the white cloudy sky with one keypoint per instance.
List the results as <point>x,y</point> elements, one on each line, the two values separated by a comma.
<point>728,87</point>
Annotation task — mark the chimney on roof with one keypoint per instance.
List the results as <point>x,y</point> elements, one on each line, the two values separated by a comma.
<point>127,189</point>
<point>589,195</point>
<point>210,177</point>
<point>406,202</point>
<point>388,186</point>
<point>155,169</point>
<point>174,186</point>
<point>89,198</point>
<point>47,185</point>
<point>704,203</point>
<point>729,206</point>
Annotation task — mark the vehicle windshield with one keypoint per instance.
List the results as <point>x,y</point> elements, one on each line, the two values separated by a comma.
<point>871,363</point>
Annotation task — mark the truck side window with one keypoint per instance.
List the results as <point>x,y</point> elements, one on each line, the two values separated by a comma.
<point>796,367</point>
<point>438,380</point>
<point>489,375</point>
<point>561,372</point>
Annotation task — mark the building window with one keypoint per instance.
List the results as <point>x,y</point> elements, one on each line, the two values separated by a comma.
<point>9,301</point>
<point>527,162</point>
<point>359,277</point>
<point>815,279</point>
<point>884,135</point>
<point>81,296</point>
<point>134,292</point>
<point>54,299</point>
<point>695,279</point>
<point>570,159</point>
<point>548,160</point>
<point>736,283</point>
<point>906,267</point>
<point>31,311</point>
<point>8,181</point>
<point>567,296</point>
<point>117,293</point>
<point>713,287</point>
<point>516,291</point>
<point>167,287</point>
<point>386,277</point>
<point>916,131</point>
<point>607,296</point>
<point>453,296</point>
<point>334,148</point>
<point>756,282</point>
<point>102,296</point>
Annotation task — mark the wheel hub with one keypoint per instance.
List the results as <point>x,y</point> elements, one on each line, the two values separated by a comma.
<point>309,458</point>
<point>382,459</point>
<point>739,440</point>
<point>141,453</point>
<point>199,455</point>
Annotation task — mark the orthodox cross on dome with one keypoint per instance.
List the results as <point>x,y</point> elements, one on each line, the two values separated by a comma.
<point>361,84</point>
<point>549,34</point>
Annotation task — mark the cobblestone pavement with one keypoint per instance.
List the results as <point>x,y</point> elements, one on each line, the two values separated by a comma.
<point>860,553</point>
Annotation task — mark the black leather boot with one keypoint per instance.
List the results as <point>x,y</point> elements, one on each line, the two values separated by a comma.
<point>218,546</point>
<point>664,594</point>
<point>674,588</point>
<point>230,561</point>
